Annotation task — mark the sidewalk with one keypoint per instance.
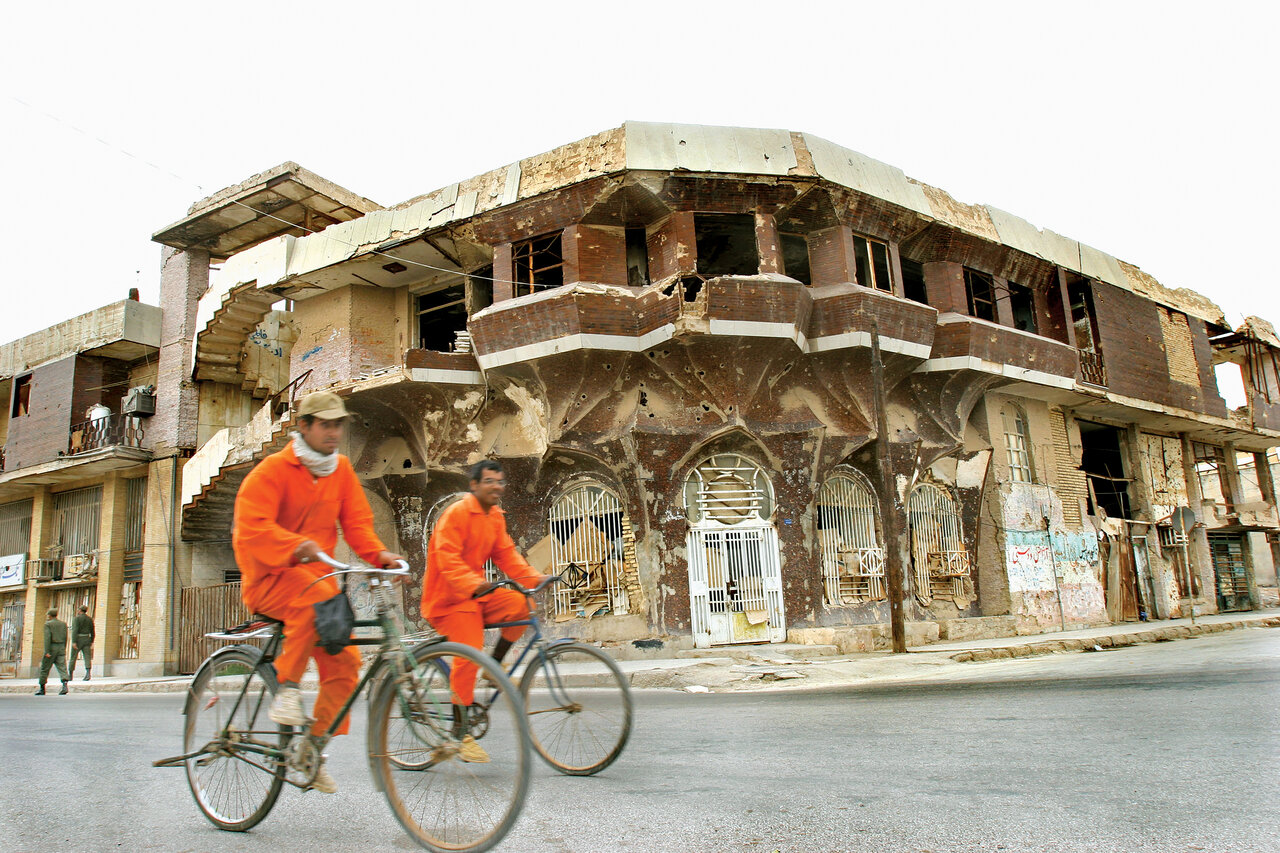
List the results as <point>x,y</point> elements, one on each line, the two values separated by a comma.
<point>792,665</point>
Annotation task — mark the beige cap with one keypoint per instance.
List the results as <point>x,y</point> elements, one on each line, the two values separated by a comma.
<point>325,405</point>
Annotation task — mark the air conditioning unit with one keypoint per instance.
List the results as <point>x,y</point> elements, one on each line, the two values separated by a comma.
<point>140,402</point>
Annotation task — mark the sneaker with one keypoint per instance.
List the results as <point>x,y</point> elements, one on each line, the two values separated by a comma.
<point>472,752</point>
<point>324,783</point>
<point>286,709</point>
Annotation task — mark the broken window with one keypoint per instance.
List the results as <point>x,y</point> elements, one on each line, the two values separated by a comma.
<point>795,257</point>
<point>726,244</point>
<point>480,288</point>
<point>592,547</point>
<point>1022,304</point>
<point>637,257</point>
<point>1168,483</point>
<point>852,559</point>
<point>1085,321</point>
<point>21,396</point>
<point>1017,443</point>
<point>442,314</point>
<point>539,264</point>
<point>939,559</point>
<point>913,286</point>
<point>1211,470</point>
<point>1230,380</point>
<point>1247,478</point>
<point>980,290</point>
<point>1103,462</point>
<point>872,259</point>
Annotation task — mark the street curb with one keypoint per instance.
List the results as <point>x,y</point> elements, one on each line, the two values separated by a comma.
<point>1110,641</point>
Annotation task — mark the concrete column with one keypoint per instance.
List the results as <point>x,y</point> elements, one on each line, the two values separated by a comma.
<point>166,569</point>
<point>184,277</point>
<point>1065,295</point>
<point>1197,538</point>
<point>1161,574</point>
<point>106,615</point>
<point>37,599</point>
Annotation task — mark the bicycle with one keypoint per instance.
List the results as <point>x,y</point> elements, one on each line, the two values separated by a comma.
<point>577,699</point>
<point>237,761</point>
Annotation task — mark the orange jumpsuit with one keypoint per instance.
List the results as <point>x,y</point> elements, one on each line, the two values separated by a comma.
<point>279,506</point>
<point>466,537</point>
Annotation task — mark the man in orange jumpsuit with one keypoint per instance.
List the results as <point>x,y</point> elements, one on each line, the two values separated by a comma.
<point>286,515</point>
<point>456,598</point>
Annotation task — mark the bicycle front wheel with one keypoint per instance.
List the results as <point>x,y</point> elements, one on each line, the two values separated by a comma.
<point>579,707</point>
<point>236,777</point>
<point>448,794</point>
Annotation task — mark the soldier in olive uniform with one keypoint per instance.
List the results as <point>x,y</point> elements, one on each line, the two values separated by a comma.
<point>55,652</point>
<point>82,636</point>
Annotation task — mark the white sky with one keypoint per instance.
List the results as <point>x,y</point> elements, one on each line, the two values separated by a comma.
<point>1147,130</point>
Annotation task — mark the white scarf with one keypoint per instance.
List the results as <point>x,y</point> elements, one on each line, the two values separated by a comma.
<point>319,464</point>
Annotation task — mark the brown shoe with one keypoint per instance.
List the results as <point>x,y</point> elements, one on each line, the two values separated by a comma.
<point>472,752</point>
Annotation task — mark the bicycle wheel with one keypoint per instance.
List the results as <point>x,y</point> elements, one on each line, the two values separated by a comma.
<point>442,801</point>
<point>235,734</point>
<point>579,707</point>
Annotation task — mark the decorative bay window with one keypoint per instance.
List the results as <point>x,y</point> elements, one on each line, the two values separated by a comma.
<point>872,260</point>
<point>593,548</point>
<point>939,559</point>
<point>852,559</point>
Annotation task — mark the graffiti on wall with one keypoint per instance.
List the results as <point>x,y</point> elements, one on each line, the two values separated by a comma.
<point>1053,573</point>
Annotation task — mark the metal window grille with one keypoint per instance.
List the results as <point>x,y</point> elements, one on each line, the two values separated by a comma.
<point>135,507</point>
<point>130,619</point>
<point>15,528</point>
<point>12,610</point>
<point>728,488</point>
<point>588,549</point>
<point>1017,443</point>
<point>852,559</point>
<point>938,555</point>
<point>77,518</point>
<point>1229,570</point>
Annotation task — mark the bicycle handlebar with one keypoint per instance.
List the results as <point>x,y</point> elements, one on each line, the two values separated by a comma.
<point>523,590</point>
<point>401,570</point>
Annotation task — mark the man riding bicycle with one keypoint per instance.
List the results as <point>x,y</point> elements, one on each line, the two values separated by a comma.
<point>457,599</point>
<point>286,514</point>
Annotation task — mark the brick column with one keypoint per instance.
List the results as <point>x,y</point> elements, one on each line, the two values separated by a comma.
<point>184,277</point>
<point>944,283</point>
<point>768,243</point>
<point>166,569</point>
<point>37,599</point>
<point>1065,296</point>
<point>831,258</point>
<point>1004,311</point>
<point>503,273</point>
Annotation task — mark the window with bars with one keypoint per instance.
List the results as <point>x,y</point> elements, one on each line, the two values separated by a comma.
<point>939,559</point>
<point>135,508</point>
<point>730,489</point>
<point>980,290</point>
<point>1017,444</point>
<point>538,264</point>
<point>852,558</point>
<point>593,550</point>
<point>15,528</point>
<point>871,258</point>
<point>77,519</point>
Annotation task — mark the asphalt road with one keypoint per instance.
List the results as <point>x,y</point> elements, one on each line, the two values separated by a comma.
<point>1165,747</point>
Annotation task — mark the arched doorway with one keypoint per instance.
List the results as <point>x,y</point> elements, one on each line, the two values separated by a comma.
<point>735,579</point>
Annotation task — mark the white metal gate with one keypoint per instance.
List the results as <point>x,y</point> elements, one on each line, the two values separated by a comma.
<point>852,559</point>
<point>588,548</point>
<point>938,555</point>
<point>735,577</point>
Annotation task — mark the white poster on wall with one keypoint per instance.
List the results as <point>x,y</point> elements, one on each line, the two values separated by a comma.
<point>12,569</point>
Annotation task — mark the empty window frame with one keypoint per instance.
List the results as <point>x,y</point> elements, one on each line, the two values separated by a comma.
<point>913,286</point>
<point>1211,470</point>
<point>795,257</point>
<point>980,290</point>
<point>939,559</point>
<point>872,259</point>
<point>852,559</point>
<point>1103,461</point>
<point>1017,444</point>
<point>441,315</point>
<point>538,263</point>
<point>726,244</point>
<point>590,543</point>
<point>637,257</point>
<point>21,396</point>
<point>1022,305</point>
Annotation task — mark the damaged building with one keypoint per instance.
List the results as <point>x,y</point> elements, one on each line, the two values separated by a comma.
<point>735,376</point>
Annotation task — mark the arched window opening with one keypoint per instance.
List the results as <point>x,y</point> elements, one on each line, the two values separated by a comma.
<point>940,562</point>
<point>852,559</point>
<point>593,547</point>
<point>729,489</point>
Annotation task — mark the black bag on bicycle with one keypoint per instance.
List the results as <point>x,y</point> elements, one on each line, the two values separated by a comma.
<point>334,621</point>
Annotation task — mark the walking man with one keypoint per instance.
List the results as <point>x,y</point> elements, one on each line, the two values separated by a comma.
<point>287,512</point>
<point>55,651</point>
<point>456,598</point>
<point>82,636</point>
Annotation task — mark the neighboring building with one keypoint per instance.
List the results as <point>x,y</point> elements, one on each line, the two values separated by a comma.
<point>666,334</point>
<point>76,484</point>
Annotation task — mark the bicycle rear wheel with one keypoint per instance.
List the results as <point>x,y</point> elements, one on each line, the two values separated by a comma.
<point>579,707</point>
<point>235,734</point>
<point>446,803</point>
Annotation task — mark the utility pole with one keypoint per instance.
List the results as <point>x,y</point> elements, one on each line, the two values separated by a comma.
<point>888,498</point>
